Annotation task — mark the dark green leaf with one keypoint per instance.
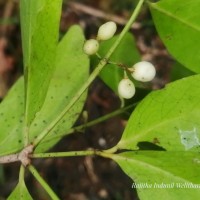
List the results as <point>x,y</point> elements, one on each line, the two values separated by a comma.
<point>178,72</point>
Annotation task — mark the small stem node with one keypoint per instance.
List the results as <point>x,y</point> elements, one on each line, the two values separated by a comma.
<point>22,156</point>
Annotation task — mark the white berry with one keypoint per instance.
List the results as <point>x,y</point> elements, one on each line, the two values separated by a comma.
<point>106,31</point>
<point>126,88</point>
<point>143,71</point>
<point>91,46</point>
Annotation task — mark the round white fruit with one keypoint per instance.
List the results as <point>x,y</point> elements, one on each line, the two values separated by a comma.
<point>91,46</point>
<point>143,71</point>
<point>106,31</point>
<point>126,88</point>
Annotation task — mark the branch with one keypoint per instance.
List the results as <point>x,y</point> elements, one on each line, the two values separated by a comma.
<point>100,14</point>
<point>94,122</point>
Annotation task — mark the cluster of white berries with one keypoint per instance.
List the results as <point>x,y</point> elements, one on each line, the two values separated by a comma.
<point>142,71</point>
<point>105,32</point>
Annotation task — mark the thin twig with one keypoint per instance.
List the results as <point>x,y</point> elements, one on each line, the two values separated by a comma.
<point>95,121</point>
<point>100,14</point>
<point>90,152</point>
<point>22,156</point>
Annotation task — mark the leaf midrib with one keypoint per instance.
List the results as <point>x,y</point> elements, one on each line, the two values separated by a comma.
<point>156,7</point>
<point>150,166</point>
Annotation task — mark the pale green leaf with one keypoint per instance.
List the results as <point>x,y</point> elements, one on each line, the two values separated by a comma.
<point>178,24</point>
<point>126,54</point>
<point>20,192</point>
<point>40,28</point>
<point>72,70</point>
<point>162,175</point>
<point>11,119</point>
<point>168,118</point>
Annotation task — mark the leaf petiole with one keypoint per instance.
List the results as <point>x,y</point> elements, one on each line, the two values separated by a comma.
<point>91,152</point>
<point>43,182</point>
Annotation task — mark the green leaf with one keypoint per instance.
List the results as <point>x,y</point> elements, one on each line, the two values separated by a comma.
<point>20,192</point>
<point>168,118</point>
<point>178,24</point>
<point>178,71</point>
<point>11,119</point>
<point>40,29</point>
<point>126,53</point>
<point>170,175</point>
<point>72,70</point>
